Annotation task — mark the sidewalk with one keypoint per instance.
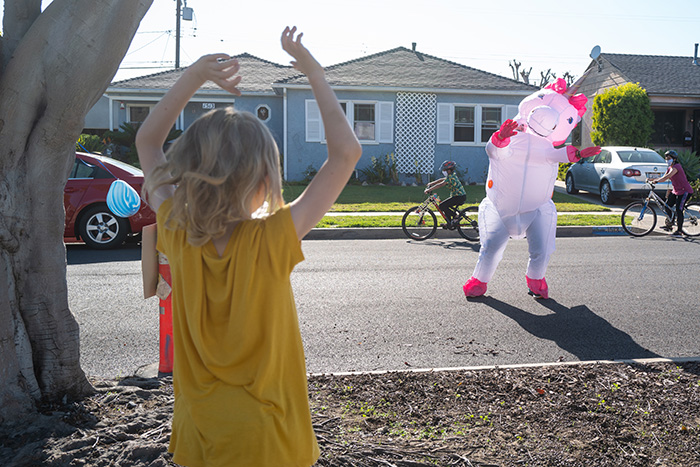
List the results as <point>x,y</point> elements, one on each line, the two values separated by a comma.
<point>392,233</point>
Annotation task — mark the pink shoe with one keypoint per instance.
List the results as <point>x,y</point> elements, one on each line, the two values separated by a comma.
<point>538,287</point>
<point>474,288</point>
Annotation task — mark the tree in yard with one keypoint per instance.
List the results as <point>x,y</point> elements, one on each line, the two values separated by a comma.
<point>622,116</point>
<point>54,66</point>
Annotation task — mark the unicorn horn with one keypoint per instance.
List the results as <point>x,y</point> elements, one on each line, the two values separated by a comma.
<point>573,89</point>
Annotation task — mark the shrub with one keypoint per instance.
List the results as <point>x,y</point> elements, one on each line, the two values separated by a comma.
<point>622,116</point>
<point>561,174</point>
<point>90,143</point>
<point>381,170</point>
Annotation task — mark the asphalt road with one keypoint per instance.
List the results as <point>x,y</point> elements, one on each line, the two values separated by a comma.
<point>395,304</point>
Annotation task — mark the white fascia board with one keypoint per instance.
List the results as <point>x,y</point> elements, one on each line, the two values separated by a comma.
<point>404,89</point>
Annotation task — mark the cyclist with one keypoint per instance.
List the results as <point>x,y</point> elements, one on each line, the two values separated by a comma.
<point>681,188</point>
<point>457,193</point>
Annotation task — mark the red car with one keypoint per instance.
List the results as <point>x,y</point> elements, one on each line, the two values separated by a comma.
<point>87,216</point>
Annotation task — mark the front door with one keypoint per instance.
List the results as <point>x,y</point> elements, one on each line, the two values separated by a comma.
<point>696,130</point>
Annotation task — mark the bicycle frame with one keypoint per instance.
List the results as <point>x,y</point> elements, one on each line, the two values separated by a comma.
<point>653,197</point>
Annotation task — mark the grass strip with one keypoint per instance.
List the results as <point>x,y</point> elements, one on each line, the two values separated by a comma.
<point>395,221</point>
<point>375,198</point>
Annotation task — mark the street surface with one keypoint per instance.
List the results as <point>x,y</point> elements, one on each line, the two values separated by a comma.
<point>396,304</point>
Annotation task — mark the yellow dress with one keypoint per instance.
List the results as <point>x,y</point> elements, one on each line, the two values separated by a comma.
<point>241,394</point>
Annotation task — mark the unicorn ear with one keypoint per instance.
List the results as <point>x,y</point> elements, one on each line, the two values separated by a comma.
<point>579,103</point>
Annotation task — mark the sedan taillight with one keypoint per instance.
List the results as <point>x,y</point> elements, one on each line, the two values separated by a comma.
<point>631,173</point>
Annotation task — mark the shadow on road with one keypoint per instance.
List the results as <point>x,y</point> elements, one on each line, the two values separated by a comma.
<point>576,330</point>
<point>448,244</point>
<point>81,254</point>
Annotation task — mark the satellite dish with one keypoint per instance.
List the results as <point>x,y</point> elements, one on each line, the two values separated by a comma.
<point>595,52</point>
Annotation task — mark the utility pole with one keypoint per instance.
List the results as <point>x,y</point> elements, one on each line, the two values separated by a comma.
<point>177,34</point>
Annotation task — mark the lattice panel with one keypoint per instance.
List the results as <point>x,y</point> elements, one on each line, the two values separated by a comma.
<point>415,131</point>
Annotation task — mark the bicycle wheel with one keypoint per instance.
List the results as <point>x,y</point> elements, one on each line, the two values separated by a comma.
<point>691,219</point>
<point>468,226</point>
<point>637,219</point>
<point>418,224</point>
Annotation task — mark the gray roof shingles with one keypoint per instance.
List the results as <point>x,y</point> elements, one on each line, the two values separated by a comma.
<point>404,68</point>
<point>257,76</point>
<point>395,68</point>
<point>659,74</point>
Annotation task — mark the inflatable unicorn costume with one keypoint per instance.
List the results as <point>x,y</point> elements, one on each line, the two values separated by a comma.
<point>523,165</point>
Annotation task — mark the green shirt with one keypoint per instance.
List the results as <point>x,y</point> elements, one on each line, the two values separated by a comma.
<point>455,186</point>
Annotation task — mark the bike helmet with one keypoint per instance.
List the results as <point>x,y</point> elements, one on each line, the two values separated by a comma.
<point>672,154</point>
<point>448,165</point>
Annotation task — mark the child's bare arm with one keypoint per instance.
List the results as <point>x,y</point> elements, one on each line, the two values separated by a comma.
<point>155,129</point>
<point>344,149</point>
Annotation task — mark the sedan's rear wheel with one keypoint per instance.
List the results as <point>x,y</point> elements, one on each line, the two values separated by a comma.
<point>101,229</point>
<point>570,187</point>
<point>606,194</point>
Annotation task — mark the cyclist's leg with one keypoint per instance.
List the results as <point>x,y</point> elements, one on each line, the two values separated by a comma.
<point>680,205</point>
<point>450,204</point>
<point>671,201</point>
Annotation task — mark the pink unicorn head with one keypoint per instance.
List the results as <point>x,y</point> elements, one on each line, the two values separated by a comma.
<point>552,113</point>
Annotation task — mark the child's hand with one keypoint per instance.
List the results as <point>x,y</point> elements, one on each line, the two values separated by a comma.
<point>220,69</point>
<point>303,60</point>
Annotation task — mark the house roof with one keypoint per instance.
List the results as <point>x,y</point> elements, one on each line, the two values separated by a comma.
<point>404,68</point>
<point>258,76</point>
<point>659,74</point>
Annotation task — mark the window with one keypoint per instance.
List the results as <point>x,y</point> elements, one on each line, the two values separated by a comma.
<point>364,121</point>
<point>373,122</point>
<point>137,113</point>
<point>263,113</point>
<point>668,127</point>
<point>490,121</point>
<point>470,124</point>
<point>464,125</point>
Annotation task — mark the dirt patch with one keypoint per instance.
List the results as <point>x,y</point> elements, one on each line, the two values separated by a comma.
<point>603,414</point>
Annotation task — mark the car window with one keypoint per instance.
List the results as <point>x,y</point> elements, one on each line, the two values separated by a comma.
<point>640,156</point>
<point>82,169</point>
<point>603,158</point>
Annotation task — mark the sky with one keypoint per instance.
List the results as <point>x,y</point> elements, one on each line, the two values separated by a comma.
<point>480,34</point>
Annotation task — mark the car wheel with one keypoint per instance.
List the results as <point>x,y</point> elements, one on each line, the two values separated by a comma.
<point>570,187</point>
<point>101,229</point>
<point>606,194</point>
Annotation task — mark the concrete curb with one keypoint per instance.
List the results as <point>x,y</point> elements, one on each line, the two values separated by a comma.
<point>396,233</point>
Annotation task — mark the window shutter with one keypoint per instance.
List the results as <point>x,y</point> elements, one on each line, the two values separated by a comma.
<point>385,120</point>
<point>510,112</point>
<point>444,123</point>
<point>314,125</point>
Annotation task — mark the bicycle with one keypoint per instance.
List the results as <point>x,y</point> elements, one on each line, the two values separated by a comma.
<point>420,223</point>
<point>639,217</point>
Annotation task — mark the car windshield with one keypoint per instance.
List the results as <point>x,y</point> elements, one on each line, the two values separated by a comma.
<point>641,156</point>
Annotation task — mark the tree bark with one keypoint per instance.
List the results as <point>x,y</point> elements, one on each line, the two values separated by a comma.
<point>59,66</point>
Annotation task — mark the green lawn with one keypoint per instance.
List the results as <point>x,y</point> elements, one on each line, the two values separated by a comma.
<point>395,221</point>
<point>355,198</point>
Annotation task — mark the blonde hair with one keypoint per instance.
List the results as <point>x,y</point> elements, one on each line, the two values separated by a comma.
<point>219,165</point>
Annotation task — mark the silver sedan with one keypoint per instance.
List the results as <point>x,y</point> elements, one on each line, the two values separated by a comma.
<point>616,172</point>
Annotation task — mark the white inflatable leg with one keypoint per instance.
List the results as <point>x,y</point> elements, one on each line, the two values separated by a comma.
<point>541,237</point>
<point>494,238</point>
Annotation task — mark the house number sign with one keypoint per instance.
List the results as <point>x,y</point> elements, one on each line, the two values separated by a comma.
<point>208,105</point>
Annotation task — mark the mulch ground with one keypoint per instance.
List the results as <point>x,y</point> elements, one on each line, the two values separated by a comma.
<point>579,415</point>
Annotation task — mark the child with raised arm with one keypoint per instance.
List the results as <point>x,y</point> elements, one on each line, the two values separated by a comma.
<point>241,395</point>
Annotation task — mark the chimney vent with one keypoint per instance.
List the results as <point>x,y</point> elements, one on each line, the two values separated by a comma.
<point>413,47</point>
<point>695,58</point>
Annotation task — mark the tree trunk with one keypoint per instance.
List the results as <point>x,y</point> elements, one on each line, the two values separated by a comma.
<point>56,65</point>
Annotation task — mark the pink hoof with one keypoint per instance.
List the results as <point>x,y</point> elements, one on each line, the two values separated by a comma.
<point>474,288</point>
<point>538,287</point>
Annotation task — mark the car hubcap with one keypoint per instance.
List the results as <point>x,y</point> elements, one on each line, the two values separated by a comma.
<point>102,228</point>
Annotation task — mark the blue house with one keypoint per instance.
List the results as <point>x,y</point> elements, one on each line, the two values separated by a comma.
<point>421,108</point>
